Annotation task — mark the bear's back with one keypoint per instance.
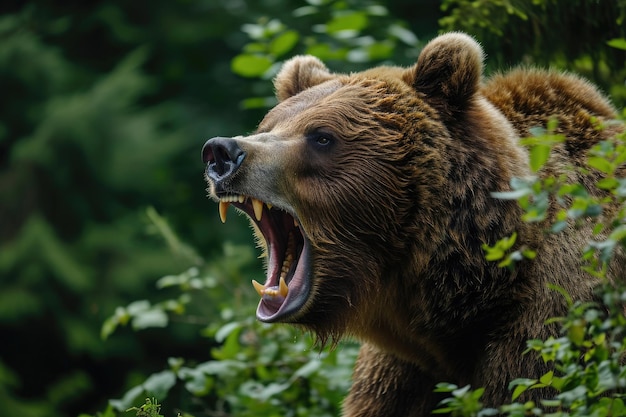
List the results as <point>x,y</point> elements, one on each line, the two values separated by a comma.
<point>529,98</point>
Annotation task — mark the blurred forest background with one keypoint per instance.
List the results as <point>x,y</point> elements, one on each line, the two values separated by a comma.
<point>105,107</point>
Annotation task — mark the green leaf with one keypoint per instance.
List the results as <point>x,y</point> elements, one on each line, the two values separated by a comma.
<point>539,154</point>
<point>284,43</point>
<point>128,399</point>
<point>258,102</point>
<point>305,11</point>
<point>271,389</point>
<point>250,66</point>
<point>445,387</point>
<point>546,378</point>
<point>621,190</point>
<point>551,403</point>
<point>255,48</point>
<point>522,381</point>
<point>493,254</point>
<point>150,318</point>
<point>510,241</point>
<point>137,307</point>
<point>224,368</point>
<point>225,330</point>
<point>160,383</point>
<point>619,233</point>
<point>529,254</point>
<point>405,35</point>
<point>601,164</point>
<point>460,392</point>
<point>562,291</point>
<point>478,393</point>
<point>511,195</point>
<point>353,21</point>
<point>108,327</point>
<point>619,43</point>
<point>307,369</point>
<point>521,385</point>
<point>380,50</point>
<point>377,10</point>
<point>552,124</point>
<point>325,52</point>
<point>608,183</point>
<point>121,317</point>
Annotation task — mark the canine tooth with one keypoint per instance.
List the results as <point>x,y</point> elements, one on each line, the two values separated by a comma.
<point>283,289</point>
<point>260,289</point>
<point>257,205</point>
<point>223,208</point>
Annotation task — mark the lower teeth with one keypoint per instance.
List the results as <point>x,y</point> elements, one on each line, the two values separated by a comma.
<point>278,292</point>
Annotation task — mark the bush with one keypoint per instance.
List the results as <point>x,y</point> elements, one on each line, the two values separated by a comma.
<point>589,373</point>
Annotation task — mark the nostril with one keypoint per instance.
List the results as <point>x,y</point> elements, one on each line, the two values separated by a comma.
<point>207,153</point>
<point>223,157</point>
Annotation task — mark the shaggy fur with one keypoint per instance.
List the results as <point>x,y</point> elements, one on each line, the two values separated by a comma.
<point>398,207</point>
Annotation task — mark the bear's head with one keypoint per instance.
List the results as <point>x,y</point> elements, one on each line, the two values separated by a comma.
<point>351,182</point>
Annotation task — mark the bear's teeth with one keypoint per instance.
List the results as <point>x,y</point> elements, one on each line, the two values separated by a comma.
<point>257,205</point>
<point>223,209</point>
<point>272,292</point>
<point>258,287</point>
<point>283,289</point>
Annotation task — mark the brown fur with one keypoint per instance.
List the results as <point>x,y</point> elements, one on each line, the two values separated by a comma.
<point>397,211</point>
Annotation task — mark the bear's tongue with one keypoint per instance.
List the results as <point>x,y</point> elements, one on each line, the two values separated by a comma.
<point>275,295</point>
<point>287,284</point>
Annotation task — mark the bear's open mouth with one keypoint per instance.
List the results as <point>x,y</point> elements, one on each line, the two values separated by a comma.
<point>287,285</point>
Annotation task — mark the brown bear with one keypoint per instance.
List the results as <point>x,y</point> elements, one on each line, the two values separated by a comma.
<point>371,194</point>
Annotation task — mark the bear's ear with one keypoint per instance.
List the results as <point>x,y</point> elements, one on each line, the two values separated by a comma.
<point>298,74</point>
<point>448,71</point>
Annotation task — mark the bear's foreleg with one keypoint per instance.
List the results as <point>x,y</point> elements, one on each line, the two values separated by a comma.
<point>385,386</point>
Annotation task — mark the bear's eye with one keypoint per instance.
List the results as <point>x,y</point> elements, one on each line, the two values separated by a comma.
<point>321,139</point>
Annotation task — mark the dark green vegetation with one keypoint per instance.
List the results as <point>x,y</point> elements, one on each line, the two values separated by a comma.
<point>105,108</point>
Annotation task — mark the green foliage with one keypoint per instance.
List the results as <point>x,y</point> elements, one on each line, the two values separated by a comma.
<point>501,252</point>
<point>150,409</point>
<point>463,401</point>
<point>619,43</point>
<point>589,373</point>
<point>531,31</point>
<point>589,377</point>
<point>491,15</point>
<point>256,368</point>
<point>335,30</point>
<point>89,138</point>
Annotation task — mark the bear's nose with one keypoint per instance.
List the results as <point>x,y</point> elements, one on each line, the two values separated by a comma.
<point>223,157</point>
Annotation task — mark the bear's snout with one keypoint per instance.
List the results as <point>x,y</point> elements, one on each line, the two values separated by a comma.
<point>223,157</point>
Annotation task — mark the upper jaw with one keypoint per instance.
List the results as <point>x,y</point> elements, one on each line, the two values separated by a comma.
<point>287,285</point>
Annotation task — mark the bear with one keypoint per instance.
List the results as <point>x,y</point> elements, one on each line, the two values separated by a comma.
<point>371,194</point>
